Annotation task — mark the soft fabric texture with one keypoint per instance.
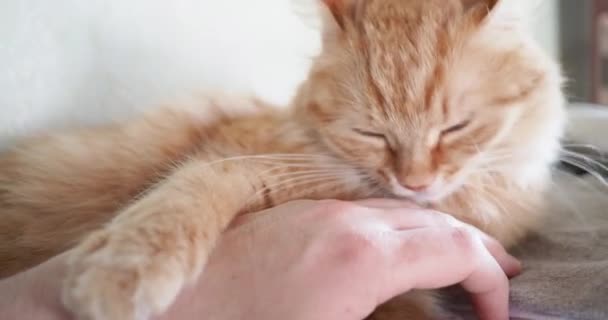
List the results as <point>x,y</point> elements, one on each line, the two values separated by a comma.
<point>566,264</point>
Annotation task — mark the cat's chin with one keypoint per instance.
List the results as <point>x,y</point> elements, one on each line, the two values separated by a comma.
<point>423,200</point>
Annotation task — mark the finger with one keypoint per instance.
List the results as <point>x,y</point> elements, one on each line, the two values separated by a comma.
<point>488,285</point>
<point>409,219</point>
<point>509,264</point>
<point>431,258</point>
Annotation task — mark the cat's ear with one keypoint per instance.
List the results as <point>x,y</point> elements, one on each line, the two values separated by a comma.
<point>497,13</point>
<point>335,13</point>
<point>480,10</point>
<point>488,5</point>
<point>338,16</point>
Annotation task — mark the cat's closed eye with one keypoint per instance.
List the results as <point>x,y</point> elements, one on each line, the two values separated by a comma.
<point>370,134</point>
<point>457,127</point>
<point>376,136</point>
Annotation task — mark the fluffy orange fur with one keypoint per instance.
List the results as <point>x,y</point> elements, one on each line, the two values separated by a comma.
<point>444,102</point>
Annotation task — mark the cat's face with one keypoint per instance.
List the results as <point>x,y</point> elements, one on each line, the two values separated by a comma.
<point>422,94</point>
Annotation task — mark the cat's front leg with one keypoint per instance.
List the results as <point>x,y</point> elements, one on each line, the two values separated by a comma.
<point>136,266</point>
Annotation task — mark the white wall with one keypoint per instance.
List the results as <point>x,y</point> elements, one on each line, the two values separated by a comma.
<point>66,61</point>
<point>87,61</point>
<point>544,21</point>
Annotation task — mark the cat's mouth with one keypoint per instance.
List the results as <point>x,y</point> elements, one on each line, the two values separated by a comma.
<point>431,194</point>
<point>441,188</point>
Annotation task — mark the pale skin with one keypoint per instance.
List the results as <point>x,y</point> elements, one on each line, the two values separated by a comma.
<point>335,260</point>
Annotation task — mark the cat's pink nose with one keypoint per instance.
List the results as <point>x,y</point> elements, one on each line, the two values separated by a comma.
<point>418,183</point>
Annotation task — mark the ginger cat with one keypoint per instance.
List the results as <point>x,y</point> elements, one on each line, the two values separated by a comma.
<point>445,102</point>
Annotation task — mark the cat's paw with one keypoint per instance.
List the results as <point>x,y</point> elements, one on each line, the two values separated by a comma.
<point>108,281</point>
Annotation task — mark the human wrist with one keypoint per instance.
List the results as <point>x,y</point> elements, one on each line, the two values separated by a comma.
<point>213,295</point>
<point>34,294</point>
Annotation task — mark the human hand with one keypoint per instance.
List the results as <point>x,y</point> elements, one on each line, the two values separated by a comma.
<point>338,260</point>
<point>313,260</point>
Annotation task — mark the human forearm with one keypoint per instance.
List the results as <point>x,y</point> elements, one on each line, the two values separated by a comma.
<point>34,294</point>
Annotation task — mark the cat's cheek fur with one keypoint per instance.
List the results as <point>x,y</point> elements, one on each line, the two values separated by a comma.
<point>366,154</point>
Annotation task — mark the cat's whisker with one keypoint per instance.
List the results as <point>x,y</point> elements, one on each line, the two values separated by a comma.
<point>338,174</point>
<point>495,156</point>
<point>565,199</point>
<point>493,160</point>
<point>584,158</point>
<point>299,163</point>
<point>491,167</point>
<point>294,182</point>
<point>321,183</point>
<point>286,161</point>
<point>304,173</point>
<point>276,160</point>
<point>500,153</point>
<point>589,185</point>
<point>569,151</point>
<point>582,146</point>
<point>497,160</point>
<point>573,152</point>
<point>375,188</point>
<point>496,201</point>
<point>588,162</point>
<point>286,166</point>
<point>274,157</point>
<point>286,170</point>
<point>585,167</point>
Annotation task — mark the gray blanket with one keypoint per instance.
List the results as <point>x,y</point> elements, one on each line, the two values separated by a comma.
<point>566,263</point>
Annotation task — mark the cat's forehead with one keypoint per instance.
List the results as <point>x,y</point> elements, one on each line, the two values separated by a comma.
<point>387,22</point>
<point>407,47</point>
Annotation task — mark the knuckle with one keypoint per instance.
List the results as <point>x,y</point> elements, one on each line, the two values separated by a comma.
<point>465,240</point>
<point>353,247</point>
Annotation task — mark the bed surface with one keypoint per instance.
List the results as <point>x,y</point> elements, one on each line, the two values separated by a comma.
<point>566,263</point>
